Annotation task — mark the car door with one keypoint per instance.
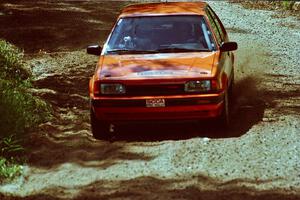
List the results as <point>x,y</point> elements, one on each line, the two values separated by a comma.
<point>226,58</point>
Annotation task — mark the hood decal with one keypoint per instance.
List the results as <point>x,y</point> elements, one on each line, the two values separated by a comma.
<point>157,65</point>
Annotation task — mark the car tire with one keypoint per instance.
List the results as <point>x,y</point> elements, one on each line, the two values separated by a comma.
<point>100,129</point>
<point>224,119</point>
<point>230,89</point>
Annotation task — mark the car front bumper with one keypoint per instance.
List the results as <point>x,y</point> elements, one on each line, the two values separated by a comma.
<point>176,107</point>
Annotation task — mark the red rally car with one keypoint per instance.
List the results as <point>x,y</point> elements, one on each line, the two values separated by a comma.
<point>162,61</point>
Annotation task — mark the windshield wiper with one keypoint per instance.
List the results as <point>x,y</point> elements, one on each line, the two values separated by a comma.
<point>131,51</point>
<point>177,49</point>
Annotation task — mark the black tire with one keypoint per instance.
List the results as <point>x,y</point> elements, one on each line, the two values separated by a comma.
<point>230,90</point>
<point>224,119</point>
<point>100,129</point>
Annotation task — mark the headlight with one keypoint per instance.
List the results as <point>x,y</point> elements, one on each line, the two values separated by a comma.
<point>198,86</point>
<point>114,88</point>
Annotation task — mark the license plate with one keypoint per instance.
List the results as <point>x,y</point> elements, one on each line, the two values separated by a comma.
<point>150,103</point>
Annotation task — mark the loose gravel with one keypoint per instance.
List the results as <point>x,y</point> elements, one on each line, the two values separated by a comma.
<point>259,158</point>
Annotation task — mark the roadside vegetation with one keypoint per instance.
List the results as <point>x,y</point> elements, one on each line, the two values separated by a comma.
<point>19,109</point>
<point>270,4</point>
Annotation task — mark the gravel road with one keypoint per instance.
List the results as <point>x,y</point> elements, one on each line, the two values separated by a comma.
<point>259,158</point>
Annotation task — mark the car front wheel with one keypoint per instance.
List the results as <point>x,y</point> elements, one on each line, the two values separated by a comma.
<point>224,119</point>
<point>99,128</point>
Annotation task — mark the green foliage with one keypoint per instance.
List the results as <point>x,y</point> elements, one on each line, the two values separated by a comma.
<point>11,64</point>
<point>288,5</point>
<point>11,149</point>
<point>11,146</point>
<point>9,169</point>
<point>19,109</point>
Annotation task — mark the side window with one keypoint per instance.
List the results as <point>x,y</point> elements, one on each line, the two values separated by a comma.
<point>215,29</point>
<point>218,28</point>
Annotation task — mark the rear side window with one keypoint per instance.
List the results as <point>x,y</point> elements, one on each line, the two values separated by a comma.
<point>217,27</point>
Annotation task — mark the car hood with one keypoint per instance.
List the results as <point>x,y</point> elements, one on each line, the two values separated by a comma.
<point>164,65</point>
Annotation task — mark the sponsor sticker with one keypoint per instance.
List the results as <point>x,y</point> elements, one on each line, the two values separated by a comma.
<point>150,103</point>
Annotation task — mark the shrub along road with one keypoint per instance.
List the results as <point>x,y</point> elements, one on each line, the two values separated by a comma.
<point>258,159</point>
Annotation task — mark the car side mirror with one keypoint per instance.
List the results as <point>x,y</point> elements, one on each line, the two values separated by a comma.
<point>228,46</point>
<point>94,50</point>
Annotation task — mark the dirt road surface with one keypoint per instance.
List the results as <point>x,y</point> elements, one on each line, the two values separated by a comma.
<point>259,158</point>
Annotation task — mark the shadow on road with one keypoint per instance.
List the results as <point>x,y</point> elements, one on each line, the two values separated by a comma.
<point>50,147</point>
<point>248,109</point>
<point>53,26</point>
<point>67,139</point>
<point>154,188</point>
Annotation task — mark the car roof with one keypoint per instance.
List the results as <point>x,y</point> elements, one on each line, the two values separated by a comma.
<point>166,8</point>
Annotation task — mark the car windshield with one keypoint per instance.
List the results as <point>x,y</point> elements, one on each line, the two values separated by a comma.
<point>153,34</point>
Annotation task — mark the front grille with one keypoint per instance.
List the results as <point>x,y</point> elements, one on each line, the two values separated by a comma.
<point>153,90</point>
<point>169,102</point>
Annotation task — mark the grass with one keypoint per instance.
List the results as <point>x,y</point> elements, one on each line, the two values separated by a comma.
<point>19,109</point>
<point>10,167</point>
<point>9,170</point>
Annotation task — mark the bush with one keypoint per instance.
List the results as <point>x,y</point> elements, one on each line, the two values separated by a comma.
<point>19,109</point>
<point>11,64</point>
